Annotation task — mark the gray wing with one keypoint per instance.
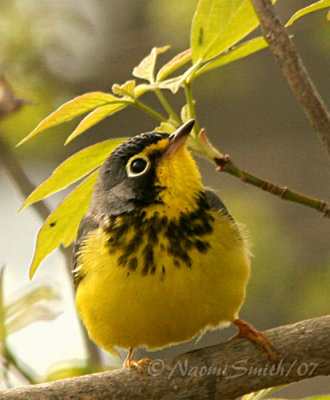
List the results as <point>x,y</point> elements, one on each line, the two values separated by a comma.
<point>216,203</point>
<point>87,224</point>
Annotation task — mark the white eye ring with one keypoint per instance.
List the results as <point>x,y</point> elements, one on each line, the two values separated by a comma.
<point>137,165</point>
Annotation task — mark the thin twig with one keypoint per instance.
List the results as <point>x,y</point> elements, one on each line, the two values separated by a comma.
<point>293,69</point>
<point>24,371</point>
<point>167,106</point>
<point>138,104</point>
<point>225,165</point>
<point>191,107</point>
<point>224,371</point>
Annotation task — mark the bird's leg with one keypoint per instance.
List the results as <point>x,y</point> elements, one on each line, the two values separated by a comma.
<point>130,363</point>
<point>248,331</point>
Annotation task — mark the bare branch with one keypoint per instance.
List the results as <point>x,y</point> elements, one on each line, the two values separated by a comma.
<point>294,70</point>
<point>225,165</point>
<point>223,371</point>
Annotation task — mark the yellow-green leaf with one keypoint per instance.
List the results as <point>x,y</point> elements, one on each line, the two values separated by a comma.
<point>178,61</point>
<point>238,52</point>
<point>62,224</point>
<point>146,68</point>
<point>166,127</point>
<point>96,116</point>
<point>37,313</point>
<point>73,108</point>
<point>126,89</point>
<point>174,84</point>
<point>322,397</point>
<point>73,169</point>
<point>184,113</point>
<point>33,306</point>
<point>43,293</point>
<point>262,394</point>
<point>143,88</point>
<point>220,24</point>
<point>306,10</point>
<point>67,369</point>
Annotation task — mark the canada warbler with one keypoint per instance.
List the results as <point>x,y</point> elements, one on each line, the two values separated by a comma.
<point>158,258</point>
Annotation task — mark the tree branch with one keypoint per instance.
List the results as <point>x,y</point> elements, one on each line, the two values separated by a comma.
<point>223,371</point>
<point>225,165</point>
<point>293,69</point>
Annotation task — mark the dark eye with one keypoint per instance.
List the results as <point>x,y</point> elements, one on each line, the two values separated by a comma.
<point>137,166</point>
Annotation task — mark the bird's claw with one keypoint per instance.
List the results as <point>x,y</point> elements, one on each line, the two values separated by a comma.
<point>248,331</point>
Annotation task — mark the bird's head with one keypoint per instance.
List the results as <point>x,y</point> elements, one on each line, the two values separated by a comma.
<point>151,171</point>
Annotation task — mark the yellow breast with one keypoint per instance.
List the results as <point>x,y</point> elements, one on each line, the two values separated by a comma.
<point>150,282</point>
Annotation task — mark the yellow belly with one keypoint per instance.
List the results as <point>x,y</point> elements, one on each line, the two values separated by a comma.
<point>128,309</point>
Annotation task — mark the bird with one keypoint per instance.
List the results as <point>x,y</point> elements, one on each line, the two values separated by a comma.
<point>158,259</point>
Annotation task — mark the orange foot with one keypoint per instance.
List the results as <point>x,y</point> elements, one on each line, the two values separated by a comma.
<point>138,364</point>
<point>247,330</point>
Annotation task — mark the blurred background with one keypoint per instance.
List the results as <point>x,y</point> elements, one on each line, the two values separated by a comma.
<point>53,50</point>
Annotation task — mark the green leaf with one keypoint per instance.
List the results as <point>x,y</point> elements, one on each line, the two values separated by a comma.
<point>178,61</point>
<point>236,53</point>
<point>67,369</point>
<point>143,88</point>
<point>33,306</point>
<point>73,108</point>
<point>62,224</point>
<point>96,116</point>
<point>166,127</point>
<point>38,312</point>
<point>311,8</point>
<point>324,397</point>
<point>126,89</point>
<point>220,24</point>
<point>174,84</point>
<point>145,70</point>
<point>184,113</point>
<point>73,169</point>
<point>43,293</point>
<point>262,394</point>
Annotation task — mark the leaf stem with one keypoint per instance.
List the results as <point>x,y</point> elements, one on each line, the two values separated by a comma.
<point>23,371</point>
<point>225,165</point>
<point>138,104</point>
<point>167,106</point>
<point>191,107</point>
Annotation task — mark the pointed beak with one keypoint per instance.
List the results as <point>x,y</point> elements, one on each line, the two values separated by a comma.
<point>179,137</point>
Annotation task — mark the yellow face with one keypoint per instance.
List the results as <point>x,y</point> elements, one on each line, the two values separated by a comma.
<point>178,175</point>
<point>153,172</point>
